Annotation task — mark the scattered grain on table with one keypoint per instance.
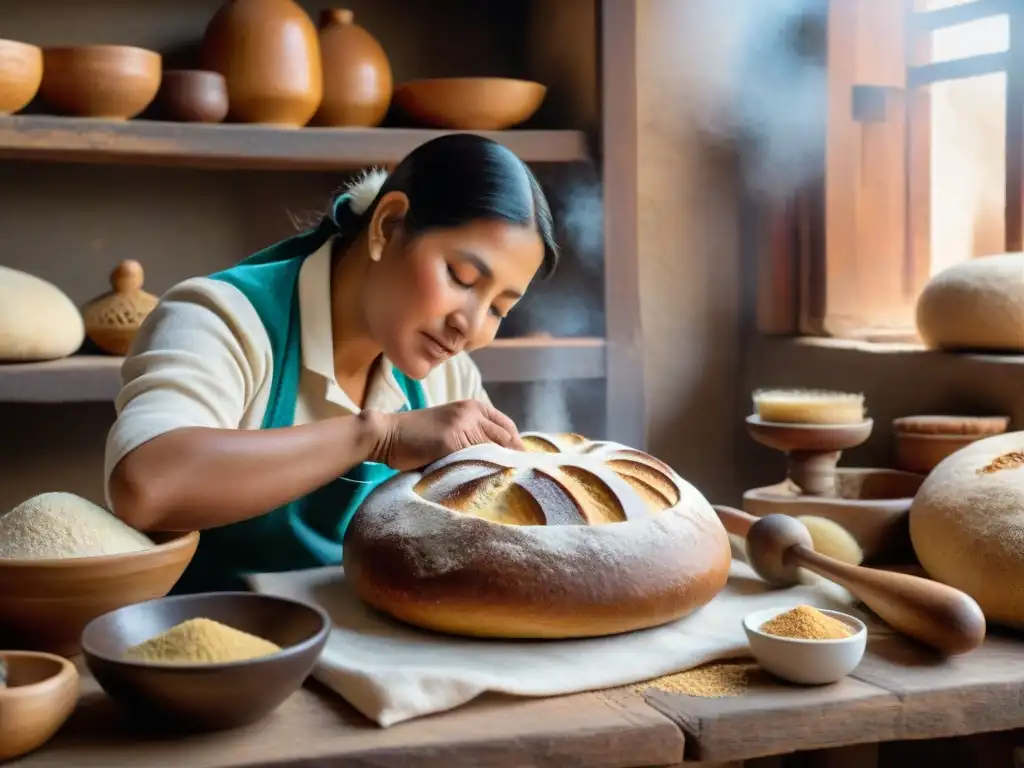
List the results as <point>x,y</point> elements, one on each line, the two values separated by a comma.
<point>712,681</point>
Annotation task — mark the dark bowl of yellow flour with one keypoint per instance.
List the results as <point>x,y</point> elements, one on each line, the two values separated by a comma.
<point>205,662</point>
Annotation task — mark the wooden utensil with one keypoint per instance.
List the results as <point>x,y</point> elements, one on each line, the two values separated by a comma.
<point>935,614</point>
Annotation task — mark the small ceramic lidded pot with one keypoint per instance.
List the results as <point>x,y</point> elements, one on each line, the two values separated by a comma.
<point>269,54</point>
<point>113,319</point>
<point>357,74</point>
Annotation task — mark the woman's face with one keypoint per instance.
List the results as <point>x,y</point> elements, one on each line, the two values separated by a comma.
<point>446,291</point>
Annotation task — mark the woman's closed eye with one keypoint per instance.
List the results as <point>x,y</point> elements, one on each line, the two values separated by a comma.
<point>466,282</point>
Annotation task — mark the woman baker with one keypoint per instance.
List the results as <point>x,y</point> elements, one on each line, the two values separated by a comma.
<point>262,404</point>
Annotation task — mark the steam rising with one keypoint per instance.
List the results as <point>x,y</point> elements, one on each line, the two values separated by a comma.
<point>756,74</point>
<point>564,306</point>
<point>754,79</point>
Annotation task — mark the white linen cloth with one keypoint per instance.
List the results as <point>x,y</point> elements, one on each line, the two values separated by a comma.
<point>391,672</point>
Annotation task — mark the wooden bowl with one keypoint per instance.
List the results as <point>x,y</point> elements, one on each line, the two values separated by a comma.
<point>470,103</point>
<point>21,71</point>
<point>207,697</point>
<point>42,693</point>
<point>45,604</point>
<point>111,81</point>
<point>193,96</point>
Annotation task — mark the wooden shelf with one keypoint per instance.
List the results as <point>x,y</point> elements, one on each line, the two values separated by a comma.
<point>97,378</point>
<point>146,142</point>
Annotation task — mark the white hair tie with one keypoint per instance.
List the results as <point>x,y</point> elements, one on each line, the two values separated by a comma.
<point>363,189</point>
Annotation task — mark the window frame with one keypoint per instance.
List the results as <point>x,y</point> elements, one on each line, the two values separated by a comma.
<point>872,197</point>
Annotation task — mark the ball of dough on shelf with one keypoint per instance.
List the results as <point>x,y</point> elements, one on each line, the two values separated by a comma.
<point>975,305</point>
<point>37,320</point>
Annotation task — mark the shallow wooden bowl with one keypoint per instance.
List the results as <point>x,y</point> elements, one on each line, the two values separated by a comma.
<point>21,72</point>
<point>207,697</point>
<point>193,96</point>
<point>42,693</point>
<point>115,82</point>
<point>470,103</point>
<point>45,604</point>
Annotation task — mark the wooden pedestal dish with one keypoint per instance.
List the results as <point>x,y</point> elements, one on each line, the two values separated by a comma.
<point>570,538</point>
<point>871,503</point>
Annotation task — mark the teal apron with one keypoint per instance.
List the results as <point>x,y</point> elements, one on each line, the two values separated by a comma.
<point>308,532</point>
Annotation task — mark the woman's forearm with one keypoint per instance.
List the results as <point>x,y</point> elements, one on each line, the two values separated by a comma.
<point>197,478</point>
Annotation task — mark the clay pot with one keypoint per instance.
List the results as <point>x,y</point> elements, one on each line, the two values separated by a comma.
<point>193,96</point>
<point>112,81</point>
<point>113,319</point>
<point>470,103</point>
<point>269,55</point>
<point>357,75</point>
<point>21,71</point>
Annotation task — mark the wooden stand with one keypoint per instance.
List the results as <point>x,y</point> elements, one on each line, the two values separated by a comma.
<point>871,503</point>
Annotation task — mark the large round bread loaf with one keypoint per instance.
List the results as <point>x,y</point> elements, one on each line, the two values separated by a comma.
<point>37,320</point>
<point>570,538</point>
<point>978,304</point>
<point>967,525</point>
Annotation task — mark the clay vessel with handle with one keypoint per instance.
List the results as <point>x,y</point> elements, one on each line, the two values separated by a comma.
<point>357,74</point>
<point>269,55</point>
<point>935,614</point>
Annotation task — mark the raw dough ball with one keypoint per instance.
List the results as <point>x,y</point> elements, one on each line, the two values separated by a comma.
<point>978,304</point>
<point>967,525</point>
<point>37,320</point>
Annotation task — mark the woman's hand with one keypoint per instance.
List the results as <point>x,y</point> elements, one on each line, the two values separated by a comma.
<point>413,439</point>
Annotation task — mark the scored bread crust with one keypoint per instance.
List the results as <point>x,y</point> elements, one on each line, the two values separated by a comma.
<point>421,550</point>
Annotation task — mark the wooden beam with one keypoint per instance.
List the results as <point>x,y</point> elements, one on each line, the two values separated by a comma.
<point>626,398</point>
<point>957,69</point>
<point>234,146</point>
<point>97,378</point>
<point>955,15</point>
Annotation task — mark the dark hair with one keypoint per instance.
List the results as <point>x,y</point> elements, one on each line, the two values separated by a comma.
<point>459,178</point>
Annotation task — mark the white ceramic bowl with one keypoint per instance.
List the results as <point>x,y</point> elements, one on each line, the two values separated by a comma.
<point>807,662</point>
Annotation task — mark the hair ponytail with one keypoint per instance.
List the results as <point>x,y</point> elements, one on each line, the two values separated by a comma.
<point>450,181</point>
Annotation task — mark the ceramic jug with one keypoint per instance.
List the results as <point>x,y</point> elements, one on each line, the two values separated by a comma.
<point>269,54</point>
<point>357,74</point>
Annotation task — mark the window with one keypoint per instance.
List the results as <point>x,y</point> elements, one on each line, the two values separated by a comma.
<point>921,168</point>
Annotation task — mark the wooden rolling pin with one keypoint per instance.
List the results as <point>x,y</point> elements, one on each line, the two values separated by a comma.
<point>935,614</point>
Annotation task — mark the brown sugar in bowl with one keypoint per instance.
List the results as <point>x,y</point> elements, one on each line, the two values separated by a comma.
<point>470,103</point>
<point>193,96</point>
<point>21,72</point>
<point>41,694</point>
<point>45,604</point>
<point>116,82</point>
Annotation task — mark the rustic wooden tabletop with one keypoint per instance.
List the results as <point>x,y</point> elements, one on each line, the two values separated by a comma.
<point>899,692</point>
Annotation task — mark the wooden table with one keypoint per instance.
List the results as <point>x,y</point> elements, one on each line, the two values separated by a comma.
<point>899,692</point>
